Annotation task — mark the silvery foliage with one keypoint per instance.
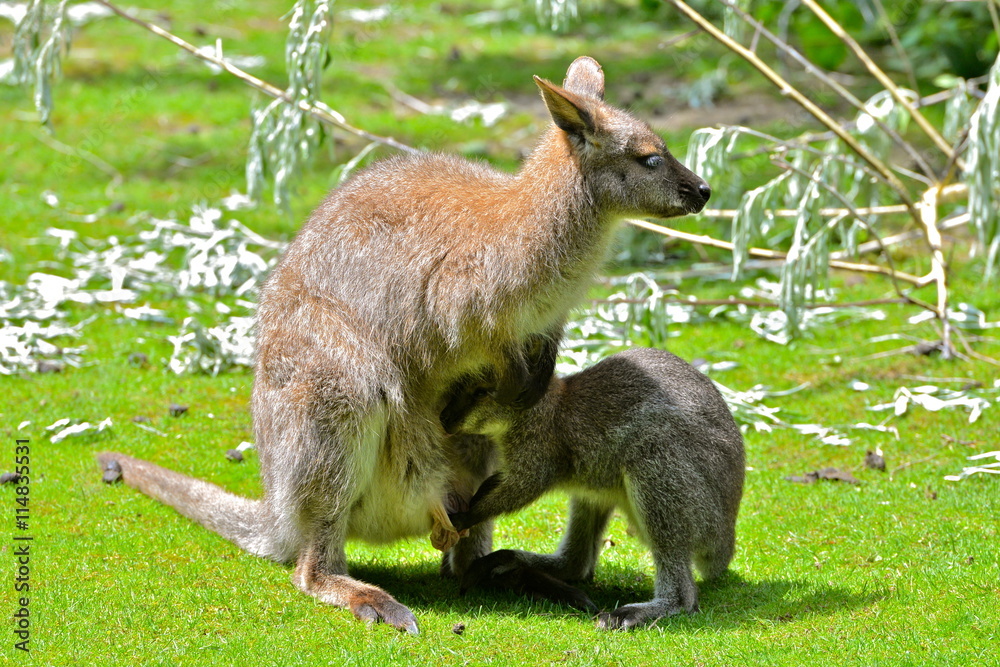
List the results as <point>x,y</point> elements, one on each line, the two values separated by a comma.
<point>933,398</point>
<point>982,172</point>
<point>214,349</point>
<point>557,14</point>
<point>39,44</point>
<point>987,463</point>
<point>168,258</point>
<point>821,169</point>
<point>773,325</point>
<point>29,322</point>
<point>973,399</point>
<point>643,313</point>
<point>165,259</point>
<point>42,35</point>
<point>66,427</point>
<point>283,136</point>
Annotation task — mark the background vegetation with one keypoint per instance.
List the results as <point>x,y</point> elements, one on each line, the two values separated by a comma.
<point>899,569</point>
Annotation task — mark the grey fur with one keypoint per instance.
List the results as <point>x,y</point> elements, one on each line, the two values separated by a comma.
<point>643,431</point>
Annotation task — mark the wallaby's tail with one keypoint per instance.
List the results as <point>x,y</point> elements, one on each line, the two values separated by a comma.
<point>240,520</point>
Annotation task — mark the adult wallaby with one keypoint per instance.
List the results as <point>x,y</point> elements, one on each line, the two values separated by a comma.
<point>411,276</point>
<point>641,430</point>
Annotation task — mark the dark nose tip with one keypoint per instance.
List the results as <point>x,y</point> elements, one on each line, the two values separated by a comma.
<point>705,191</point>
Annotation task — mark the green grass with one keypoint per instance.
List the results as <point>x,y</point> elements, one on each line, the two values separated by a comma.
<point>901,570</point>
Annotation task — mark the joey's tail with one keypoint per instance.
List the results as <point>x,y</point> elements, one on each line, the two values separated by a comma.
<point>246,523</point>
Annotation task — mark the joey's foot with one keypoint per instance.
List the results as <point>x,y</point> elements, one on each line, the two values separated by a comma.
<point>380,607</point>
<point>503,570</point>
<point>635,615</point>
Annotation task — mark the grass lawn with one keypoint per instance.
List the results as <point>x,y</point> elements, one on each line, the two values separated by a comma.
<point>901,569</point>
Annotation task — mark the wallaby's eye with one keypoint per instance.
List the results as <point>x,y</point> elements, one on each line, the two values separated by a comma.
<point>652,161</point>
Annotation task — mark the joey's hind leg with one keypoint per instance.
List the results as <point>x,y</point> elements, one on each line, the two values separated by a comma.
<point>675,592</point>
<point>669,533</point>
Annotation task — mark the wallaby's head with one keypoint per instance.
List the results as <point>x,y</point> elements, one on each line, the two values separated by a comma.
<point>627,167</point>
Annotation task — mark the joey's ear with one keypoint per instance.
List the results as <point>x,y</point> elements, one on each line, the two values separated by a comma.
<point>585,77</point>
<point>569,111</point>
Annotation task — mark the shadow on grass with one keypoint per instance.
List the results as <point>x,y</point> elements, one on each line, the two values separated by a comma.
<point>729,602</point>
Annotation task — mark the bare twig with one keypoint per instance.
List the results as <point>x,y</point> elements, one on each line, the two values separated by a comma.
<point>324,115</point>
<point>769,254</point>
<point>972,353</point>
<point>897,45</point>
<point>825,212</point>
<point>903,237</point>
<point>908,464</point>
<point>45,136</point>
<point>829,81</point>
<point>992,5</point>
<point>804,145</point>
<point>881,76</point>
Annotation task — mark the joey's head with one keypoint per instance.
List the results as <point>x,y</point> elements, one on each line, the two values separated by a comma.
<point>475,410</point>
<point>626,166</point>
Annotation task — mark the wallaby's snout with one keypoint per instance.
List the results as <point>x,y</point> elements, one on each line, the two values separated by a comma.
<point>688,190</point>
<point>695,191</point>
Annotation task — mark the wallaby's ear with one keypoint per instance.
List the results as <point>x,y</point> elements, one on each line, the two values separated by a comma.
<point>569,111</point>
<point>585,77</point>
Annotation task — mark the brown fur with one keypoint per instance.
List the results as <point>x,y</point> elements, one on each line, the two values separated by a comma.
<point>415,274</point>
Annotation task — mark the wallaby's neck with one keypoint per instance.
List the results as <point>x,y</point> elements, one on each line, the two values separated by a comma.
<point>552,187</point>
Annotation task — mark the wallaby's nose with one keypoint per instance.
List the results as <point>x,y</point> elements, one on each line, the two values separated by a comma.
<point>705,191</point>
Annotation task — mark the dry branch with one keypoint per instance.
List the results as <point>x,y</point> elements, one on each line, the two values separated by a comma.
<point>811,68</point>
<point>881,76</point>
<point>701,239</point>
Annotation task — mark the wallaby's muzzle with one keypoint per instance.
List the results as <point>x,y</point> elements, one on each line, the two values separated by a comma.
<point>696,193</point>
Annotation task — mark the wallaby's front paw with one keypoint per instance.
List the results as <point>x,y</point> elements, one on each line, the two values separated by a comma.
<point>461,521</point>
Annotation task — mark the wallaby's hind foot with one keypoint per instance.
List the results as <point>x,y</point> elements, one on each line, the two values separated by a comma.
<point>675,591</point>
<point>368,603</point>
<point>505,570</point>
